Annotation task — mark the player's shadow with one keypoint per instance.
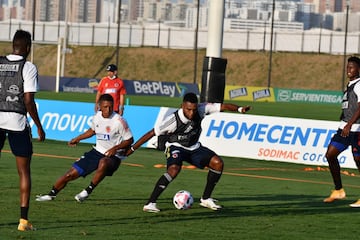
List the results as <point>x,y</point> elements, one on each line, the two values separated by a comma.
<point>246,206</point>
<point>265,205</point>
<point>105,62</point>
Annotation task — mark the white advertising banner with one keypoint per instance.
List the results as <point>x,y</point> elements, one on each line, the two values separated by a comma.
<point>281,139</point>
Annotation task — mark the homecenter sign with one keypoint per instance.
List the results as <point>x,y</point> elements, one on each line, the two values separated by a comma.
<point>271,138</point>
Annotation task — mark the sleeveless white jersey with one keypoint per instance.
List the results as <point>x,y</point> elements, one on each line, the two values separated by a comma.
<point>169,125</point>
<point>110,132</point>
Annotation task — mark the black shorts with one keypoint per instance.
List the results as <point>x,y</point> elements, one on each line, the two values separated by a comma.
<point>89,162</point>
<point>20,141</point>
<point>341,143</point>
<point>199,157</point>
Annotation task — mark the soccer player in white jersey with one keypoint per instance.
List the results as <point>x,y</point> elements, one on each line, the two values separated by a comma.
<point>113,138</point>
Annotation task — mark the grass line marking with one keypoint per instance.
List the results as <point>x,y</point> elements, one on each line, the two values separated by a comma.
<point>72,158</point>
<point>285,179</point>
<point>227,173</point>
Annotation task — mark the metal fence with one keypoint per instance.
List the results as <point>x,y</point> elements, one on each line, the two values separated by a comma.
<point>159,35</point>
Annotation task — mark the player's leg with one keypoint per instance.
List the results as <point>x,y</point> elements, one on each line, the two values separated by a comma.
<point>2,139</point>
<point>175,157</point>
<point>60,184</point>
<point>356,154</point>
<point>23,168</point>
<point>204,157</point>
<point>21,146</point>
<point>106,167</point>
<point>216,166</point>
<point>331,156</point>
<point>162,183</point>
<point>336,146</point>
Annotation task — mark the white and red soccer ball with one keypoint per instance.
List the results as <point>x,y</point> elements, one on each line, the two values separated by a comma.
<point>183,200</point>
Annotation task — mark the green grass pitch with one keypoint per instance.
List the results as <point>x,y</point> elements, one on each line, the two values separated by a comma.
<point>261,199</point>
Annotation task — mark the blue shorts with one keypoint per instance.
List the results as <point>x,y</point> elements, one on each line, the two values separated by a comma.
<point>20,141</point>
<point>89,162</point>
<point>341,143</point>
<point>199,157</point>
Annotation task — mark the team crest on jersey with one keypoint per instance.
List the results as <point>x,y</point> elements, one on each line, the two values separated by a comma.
<point>108,129</point>
<point>175,154</point>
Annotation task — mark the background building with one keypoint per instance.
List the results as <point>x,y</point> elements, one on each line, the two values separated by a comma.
<point>239,14</point>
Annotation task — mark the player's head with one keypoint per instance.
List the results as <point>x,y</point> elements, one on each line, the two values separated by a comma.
<point>106,105</point>
<point>189,105</point>
<point>354,59</point>
<point>190,97</point>
<point>353,67</point>
<point>112,70</point>
<point>22,43</point>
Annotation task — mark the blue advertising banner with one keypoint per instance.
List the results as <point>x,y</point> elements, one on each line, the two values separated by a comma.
<point>169,89</point>
<point>133,87</point>
<point>63,120</point>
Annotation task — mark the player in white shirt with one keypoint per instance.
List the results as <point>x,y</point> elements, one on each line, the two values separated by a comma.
<point>180,132</point>
<point>18,85</point>
<point>113,138</point>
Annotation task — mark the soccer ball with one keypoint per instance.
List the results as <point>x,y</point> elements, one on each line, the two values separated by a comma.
<point>183,200</point>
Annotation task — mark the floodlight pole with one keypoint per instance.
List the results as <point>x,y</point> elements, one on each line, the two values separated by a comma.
<point>271,44</point>
<point>65,40</point>
<point>118,35</point>
<point>345,45</point>
<point>33,29</point>
<point>196,40</point>
<point>213,75</point>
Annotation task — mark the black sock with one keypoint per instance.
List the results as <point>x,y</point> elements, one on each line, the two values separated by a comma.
<point>24,212</point>
<point>212,179</point>
<point>90,188</point>
<point>160,186</point>
<point>53,191</point>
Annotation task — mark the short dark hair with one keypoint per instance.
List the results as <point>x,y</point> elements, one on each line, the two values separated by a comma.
<point>355,60</point>
<point>190,97</point>
<point>21,38</point>
<point>106,97</point>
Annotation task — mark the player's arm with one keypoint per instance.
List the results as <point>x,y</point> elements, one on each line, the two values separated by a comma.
<point>126,144</point>
<point>32,110</point>
<point>234,108</point>
<point>89,133</point>
<point>141,141</point>
<point>121,104</point>
<point>98,94</point>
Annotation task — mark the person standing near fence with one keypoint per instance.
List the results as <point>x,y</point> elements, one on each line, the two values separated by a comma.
<point>113,85</point>
<point>18,84</point>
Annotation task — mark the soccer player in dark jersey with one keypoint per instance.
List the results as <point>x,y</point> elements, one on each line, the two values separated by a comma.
<point>182,131</point>
<point>348,133</point>
<point>18,85</point>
